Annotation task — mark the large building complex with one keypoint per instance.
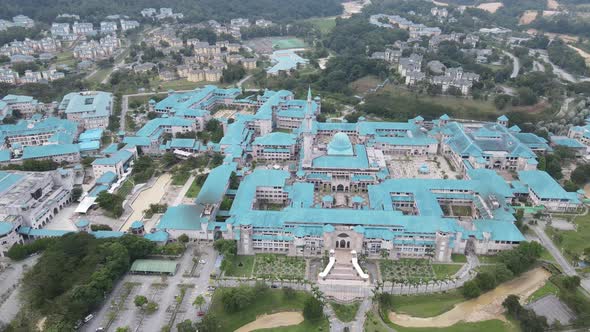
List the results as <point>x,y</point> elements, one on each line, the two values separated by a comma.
<point>336,186</point>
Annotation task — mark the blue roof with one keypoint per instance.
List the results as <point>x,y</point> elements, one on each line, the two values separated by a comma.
<point>93,103</point>
<point>213,189</point>
<point>277,138</point>
<point>91,135</point>
<point>82,223</point>
<point>42,232</point>
<point>106,234</point>
<point>136,224</point>
<point>107,178</point>
<point>545,187</point>
<point>8,179</point>
<point>97,190</point>
<point>5,227</point>
<point>44,151</point>
<point>89,145</point>
<point>112,148</point>
<point>285,60</point>
<point>117,157</point>
<point>358,161</point>
<point>157,236</point>
<point>340,145</point>
<point>183,217</point>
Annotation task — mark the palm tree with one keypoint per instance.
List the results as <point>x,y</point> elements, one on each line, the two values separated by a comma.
<point>199,301</point>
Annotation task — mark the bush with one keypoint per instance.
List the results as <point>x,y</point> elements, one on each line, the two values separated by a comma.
<point>471,289</point>
<point>313,309</point>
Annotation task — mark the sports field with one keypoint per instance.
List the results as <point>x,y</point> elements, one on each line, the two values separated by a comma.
<point>283,44</point>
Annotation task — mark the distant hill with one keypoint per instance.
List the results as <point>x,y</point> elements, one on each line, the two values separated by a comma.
<point>222,10</point>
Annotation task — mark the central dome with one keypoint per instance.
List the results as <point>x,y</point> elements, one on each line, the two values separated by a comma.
<point>340,145</point>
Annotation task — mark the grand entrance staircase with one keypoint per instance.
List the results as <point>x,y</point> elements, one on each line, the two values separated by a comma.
<point>343,269</point>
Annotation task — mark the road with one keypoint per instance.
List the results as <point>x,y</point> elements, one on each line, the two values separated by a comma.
<point>554,251</point>
<point>515,64</point>
<point>239,84</point>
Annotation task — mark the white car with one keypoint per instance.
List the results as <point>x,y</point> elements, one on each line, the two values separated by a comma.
<point>88,318</point>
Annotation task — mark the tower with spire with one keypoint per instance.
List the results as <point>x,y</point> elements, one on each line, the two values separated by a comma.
<point>307,131</point>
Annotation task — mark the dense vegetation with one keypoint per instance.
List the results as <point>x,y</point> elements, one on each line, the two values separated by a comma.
<point>527,318</point>
<point>512,263</point>
<point>95,10</point>
<point>567,58</point>
<point>47,92</point>
<point>72,277</point>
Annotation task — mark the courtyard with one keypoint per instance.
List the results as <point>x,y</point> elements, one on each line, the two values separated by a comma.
<point>409,167</point>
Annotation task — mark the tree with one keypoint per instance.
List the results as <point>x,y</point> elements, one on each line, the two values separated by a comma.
<point>199,301</point>
<point>140,301</point>
<point>76,193</point>
<point>512,305</point>
<point>151,307</point>
<point>289,293</point>
<point>183,238</point>
<point>313,309</point>
<point>209,323</point>
<point>485,281</point>
<point>186,326</point>
<point>571,282</point>
<point>471,289</point>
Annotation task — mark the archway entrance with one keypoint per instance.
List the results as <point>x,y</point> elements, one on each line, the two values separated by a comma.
<point>343,241</point>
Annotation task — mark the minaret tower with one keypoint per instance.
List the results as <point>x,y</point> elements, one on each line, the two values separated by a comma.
<point>307,132</point>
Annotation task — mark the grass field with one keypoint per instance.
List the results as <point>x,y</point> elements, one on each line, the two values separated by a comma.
<point>65,58</point>
<point>548,288</point>
<point>100,75</point>
<point>178,84</point>
<point>485,326</point>
<point>303,327</point>
<point>345,312</point>
<point>125,188</point>
<point>488,259</point>
<point>573,242</point>
<point>193,190</point>
<point>373,324</point>
<point>283,44</point>
<point>323,24</point>
<point>459,258</point>
<point>362,85</point>
<point>445,270</point>
<point>273,301</point>
<point>427,305</point>
<point>241,266</point>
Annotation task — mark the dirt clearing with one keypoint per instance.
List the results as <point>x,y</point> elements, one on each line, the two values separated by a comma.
<point>273,320</point>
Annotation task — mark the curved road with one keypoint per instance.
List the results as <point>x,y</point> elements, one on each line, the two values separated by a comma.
<point>515,64</point>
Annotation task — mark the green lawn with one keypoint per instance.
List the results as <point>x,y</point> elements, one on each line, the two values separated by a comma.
<point>65,58</point>
<point>427,305</point>
<point>241,266</point>
<point>373,324</point>
<point>548,288</point>
<point>459,258</point>
<point>193,190</point>
<point>485,326</point>
<point>445,270</point>
<point>125,188</point>
<point>287,43</point>
<point>272,302</point>
<point>323,24</point>
<point>306,326</point>
<point>345,312</point>
<point>489,259</point>
<point>178,85</point>
<point>100,75</point>
<point>574,242</point>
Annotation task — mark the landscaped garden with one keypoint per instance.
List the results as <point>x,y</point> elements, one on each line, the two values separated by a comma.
<point>416,270</point>
<point>271,266</point>
<point>267,266</point>
<point>345,312</point>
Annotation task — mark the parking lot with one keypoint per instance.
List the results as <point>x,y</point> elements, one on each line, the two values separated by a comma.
<point>120,310</point>
<point>438,168</point>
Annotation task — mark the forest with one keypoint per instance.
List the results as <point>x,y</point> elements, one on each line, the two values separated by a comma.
<point>193,10</point>
<point>72,277</point>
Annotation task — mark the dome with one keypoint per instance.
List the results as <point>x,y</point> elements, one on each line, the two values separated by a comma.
<point>340,145</point>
